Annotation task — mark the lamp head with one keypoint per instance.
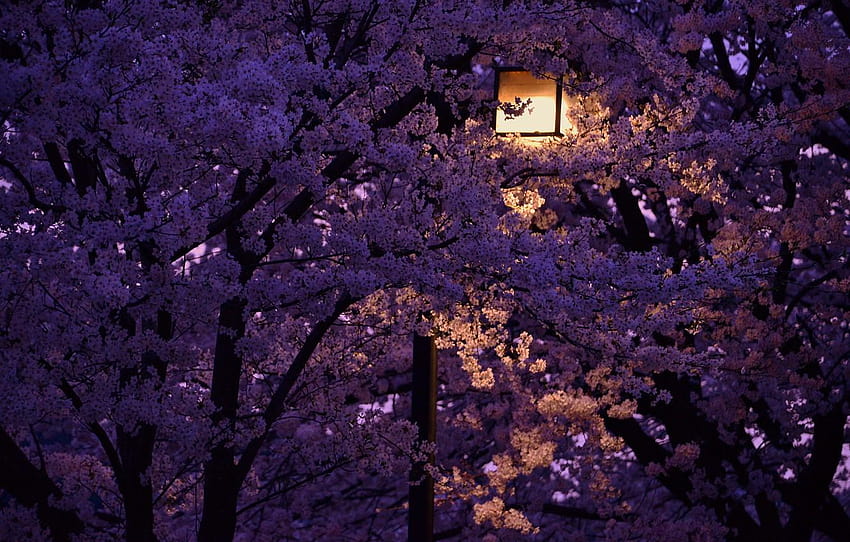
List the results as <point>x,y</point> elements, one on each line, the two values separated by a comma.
<point>532,106</point>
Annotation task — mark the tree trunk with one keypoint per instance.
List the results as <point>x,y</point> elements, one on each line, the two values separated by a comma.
<point>136,450</point>
<point>221,480</point>
<point>136,444</point>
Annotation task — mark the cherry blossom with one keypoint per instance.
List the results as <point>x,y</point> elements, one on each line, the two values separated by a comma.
<point>222,222</point>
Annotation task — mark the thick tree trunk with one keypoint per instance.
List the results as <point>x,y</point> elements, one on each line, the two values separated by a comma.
<point>136,450</point>
<point>811,492</point>
<point>136,444</point>
<point>221,480</point>
<point>221,491</point>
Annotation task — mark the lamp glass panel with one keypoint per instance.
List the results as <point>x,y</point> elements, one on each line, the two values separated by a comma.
<point>539,116</point>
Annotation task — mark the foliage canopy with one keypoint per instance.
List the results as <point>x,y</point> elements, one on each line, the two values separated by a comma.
<point>221,222</point>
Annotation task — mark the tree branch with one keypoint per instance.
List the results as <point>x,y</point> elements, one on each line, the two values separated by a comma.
<point>33,488</point>
<point>278,401</point>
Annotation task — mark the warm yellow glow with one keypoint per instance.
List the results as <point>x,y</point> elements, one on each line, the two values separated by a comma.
<point>568,108</point>
<point>539,116</point>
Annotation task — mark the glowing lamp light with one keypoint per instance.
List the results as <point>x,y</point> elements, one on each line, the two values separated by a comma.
<point>542,117</point>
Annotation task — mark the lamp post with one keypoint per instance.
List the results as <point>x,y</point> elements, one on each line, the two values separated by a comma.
<point>543,115</point>
<point>420,526</point>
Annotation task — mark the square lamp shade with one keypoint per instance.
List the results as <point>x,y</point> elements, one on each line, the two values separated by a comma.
<point>542,117</point>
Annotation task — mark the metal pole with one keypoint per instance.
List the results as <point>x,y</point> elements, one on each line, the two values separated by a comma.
<point>424,414</point>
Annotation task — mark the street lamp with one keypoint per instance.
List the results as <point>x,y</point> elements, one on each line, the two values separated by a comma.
<point>529,105</point>
<point>537,112</point>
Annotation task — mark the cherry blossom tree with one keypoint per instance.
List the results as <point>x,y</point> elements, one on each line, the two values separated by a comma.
<point>222,221</point>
